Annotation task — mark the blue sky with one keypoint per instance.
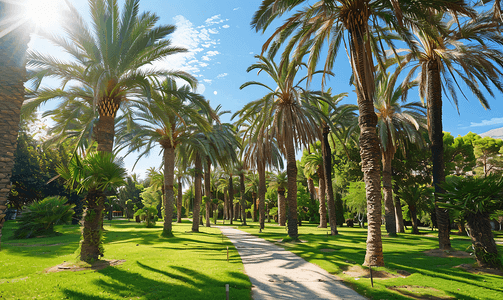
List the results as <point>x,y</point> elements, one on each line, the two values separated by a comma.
<point>222,45</point>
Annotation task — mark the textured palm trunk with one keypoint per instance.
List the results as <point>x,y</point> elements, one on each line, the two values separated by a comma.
<point>254,207</point>
<point>105,127</point>
<point>312,196</point>
<point>434,103</point>
<point>207,191</point>
<point>389,208</point>
<point>231,199</point>
<point>399,215</point>
<point>291,171</point>
<point>92,248</point>
<point>242,200</point>
<point>413,218</point>
<point>261,193</point>
<point>362,65</point>
<point>321,196</point>
<point>483,242</point>
<point>198,166</point>
<point>179,200</point>
<point>281,207</point>
<point>327,172</point>
<point>169,194</point>
<point>13,75</point>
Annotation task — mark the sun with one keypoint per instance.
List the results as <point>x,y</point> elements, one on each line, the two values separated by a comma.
<point>45,14</point>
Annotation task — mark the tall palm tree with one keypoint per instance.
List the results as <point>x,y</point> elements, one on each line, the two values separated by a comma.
<point>252,186</point>
<point>111,59</point>
<point>170,119</point>
<point>467,52</point>
<point>279,181</point>
<point>327,21</point>
<point>94,175</point>
<point>396,123</point>
<point>288,111</point>
<point>13,46</point>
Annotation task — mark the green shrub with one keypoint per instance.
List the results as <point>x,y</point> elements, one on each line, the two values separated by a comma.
<point>40,217</point>
<point>147,214</point>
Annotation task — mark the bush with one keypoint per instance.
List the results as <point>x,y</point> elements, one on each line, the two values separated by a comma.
<point>147,214</point>
<point>40,217</point>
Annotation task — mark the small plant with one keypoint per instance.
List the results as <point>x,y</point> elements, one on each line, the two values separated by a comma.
<point>40,217</point>
<point>147,214</point>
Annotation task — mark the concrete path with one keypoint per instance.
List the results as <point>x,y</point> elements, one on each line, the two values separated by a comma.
<point>279,274</point>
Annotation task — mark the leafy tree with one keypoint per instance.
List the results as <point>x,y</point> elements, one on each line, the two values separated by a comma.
<point>279,182</point>
<point>148,214</point>
<point>417,198</point>
<point>356,200</point>
<point>459,156</point>
<point>130,192</point>
<point>40,217</point>
<point>477,198</point>
<point>487,149</point>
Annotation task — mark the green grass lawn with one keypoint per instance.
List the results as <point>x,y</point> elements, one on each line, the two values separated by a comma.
<point>188,266</point>
<point>431,277</point>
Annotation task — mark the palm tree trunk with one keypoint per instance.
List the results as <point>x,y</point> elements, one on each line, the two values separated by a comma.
<point>261,193</point>
<point>91,248</point>
<point>312,196</point>
<point>362,64</point>
<point>291,171</point>
<point>413,217</point>
<point>399,215</point>
<point>207,191</point>
<point>327,172</point>
<point>483,242</point>
<point>231,198</point>
<point>389,208</point>
<point>179,201</point>
<point>105,127</point>
<point>242,200</point>
<point>434,102</point>
<point>169,195</point>
<point>281,207</point>
<point>198,166</point>
<point>321,196</point>
<point>12,78</point>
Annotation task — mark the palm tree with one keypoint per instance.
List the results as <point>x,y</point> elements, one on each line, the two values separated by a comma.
<point>466,52</point>
<point>182,178</point>
<point>110,59</point>
<point>314,165</point>
<point>327,21</point>
<point>279,181</point>
<point>252,185</point>
<point>170,119</point>
<point>288,111</point>
<point>94,175</point>
<point>156,181</point>
<point>396,123</point>
<point>13,46</point>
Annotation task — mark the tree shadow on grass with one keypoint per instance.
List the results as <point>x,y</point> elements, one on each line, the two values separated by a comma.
<point>180,283</point>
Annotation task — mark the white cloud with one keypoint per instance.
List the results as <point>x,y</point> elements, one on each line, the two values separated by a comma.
<point>225,26</point>
<point>207,80</point>
<point>215,92</point>
<point>251,53</point>
<point>236,8</point>
<point>493,121</point>
<point>212,53</point>
<point>214,20</point>
<point>200,88</point>
<point>203,65</point>
<point>212,31</point>
<point>222,75</point>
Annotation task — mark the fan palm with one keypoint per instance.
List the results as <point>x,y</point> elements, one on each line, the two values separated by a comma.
<point>288,111</point>
<point>170,119</point>
<point>468,52</point>
<point>94,175</point>
<point>279,181</point>
<point>326,21</point>
<point>396,123</point>
<point>111,59</point>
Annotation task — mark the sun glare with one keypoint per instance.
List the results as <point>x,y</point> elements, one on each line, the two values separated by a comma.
<point>44,13</point>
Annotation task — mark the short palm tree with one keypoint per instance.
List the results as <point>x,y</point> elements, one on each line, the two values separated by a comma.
<point>314,165</point>
<point>93,176</point>
<point>111,59</point>
<point>279,181</point>
<point>396,124</point>
<point>469,52</point>
<point>328,21</point>
<point>170,118</point>
<point>288,111</point>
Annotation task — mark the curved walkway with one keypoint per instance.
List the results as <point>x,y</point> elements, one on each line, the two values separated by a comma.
<point>279,274</point>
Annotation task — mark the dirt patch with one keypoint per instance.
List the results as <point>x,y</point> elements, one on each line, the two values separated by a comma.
<point>474,269</point>
<point>75,267</point>
<point>447,253</point>
<point>420,292</point>
<point>359,271</point>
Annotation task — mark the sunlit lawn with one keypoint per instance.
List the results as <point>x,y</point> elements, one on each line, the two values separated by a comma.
<point>188,266</point>
<point>404,252</point>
